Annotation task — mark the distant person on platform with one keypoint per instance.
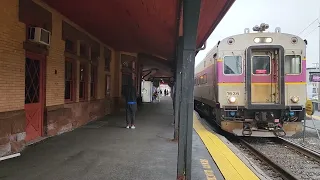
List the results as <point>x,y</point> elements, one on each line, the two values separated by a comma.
<point>131,105</point>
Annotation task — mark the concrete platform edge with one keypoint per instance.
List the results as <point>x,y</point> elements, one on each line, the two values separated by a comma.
<point>253,167</point>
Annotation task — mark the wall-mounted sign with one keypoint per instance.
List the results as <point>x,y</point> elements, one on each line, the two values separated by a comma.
<point>314,77</point>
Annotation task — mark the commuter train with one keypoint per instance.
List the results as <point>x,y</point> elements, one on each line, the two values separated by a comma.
<point>254,84</point>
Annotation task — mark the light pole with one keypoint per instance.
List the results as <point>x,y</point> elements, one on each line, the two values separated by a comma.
<point>319,65</point>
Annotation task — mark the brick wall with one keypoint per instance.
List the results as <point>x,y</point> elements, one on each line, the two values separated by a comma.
<point>12,73</point>
<point>60,117</point>
<point>101,75</point>
<point>55,62</point>
<point>116,79</point>
<point>80,111</point>
<point>12,56</point>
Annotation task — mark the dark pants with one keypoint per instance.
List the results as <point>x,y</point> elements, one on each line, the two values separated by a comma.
<point>131,113</point>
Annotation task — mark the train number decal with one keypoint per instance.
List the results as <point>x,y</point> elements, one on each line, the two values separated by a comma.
<point>233,93</point>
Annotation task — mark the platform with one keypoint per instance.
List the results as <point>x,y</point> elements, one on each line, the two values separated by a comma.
<point>105,150</point>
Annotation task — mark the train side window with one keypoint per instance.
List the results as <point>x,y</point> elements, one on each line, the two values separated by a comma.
<point>205,79</point>
<point>232,65</point>
<point>292,64</point>
<point>261,65</point>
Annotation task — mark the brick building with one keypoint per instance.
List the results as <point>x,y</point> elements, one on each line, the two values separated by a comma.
<point>48,90</point>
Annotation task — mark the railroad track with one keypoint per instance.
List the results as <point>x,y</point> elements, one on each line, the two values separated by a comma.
<point>308,152</point>
<point>290,160</point>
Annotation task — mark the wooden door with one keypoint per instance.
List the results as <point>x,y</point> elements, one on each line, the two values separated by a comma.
<point>34,95</point>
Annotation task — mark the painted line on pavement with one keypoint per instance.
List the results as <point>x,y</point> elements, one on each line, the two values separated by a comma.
<point>207,169</point>
<point>314,117</point>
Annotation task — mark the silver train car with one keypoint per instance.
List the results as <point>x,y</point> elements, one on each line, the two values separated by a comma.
<point>254,84</point>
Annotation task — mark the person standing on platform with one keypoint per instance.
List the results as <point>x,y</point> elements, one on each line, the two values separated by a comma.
<point>131,105</point>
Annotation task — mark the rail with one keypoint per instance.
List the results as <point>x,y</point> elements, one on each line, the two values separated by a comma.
<point>276,167</point>
<point>307,152</point>
<point>314,127</point>
<point>282,169</point>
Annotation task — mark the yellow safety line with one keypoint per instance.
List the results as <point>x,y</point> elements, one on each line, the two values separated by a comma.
<point>230,84</point>
<point>231,167</point>
<point>314,117</point>
<point>293,83</point>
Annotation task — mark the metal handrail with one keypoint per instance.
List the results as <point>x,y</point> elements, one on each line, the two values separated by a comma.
<point>304,128</point>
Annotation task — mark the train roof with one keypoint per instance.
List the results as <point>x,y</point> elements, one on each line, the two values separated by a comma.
<point>277,37</point>
<point>247,39</point>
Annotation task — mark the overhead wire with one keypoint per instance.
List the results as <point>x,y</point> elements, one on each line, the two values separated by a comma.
<point>311,32</point>
<point>308,26</point>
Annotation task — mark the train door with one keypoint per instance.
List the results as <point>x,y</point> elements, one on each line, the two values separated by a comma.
<point>265,77</point>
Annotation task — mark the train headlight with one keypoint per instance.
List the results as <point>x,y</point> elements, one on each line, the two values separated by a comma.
<point>262,40</point>
<point>232,99</point>
<point>268,40</point>
<point>295,99</point>
<point>256,40</point>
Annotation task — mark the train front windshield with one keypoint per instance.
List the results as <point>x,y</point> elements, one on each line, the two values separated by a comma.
<point>261,64</point>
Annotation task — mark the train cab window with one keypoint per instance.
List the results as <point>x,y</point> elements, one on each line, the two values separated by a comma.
<point>261,64</point>
<point>232,65</point>
<point>203,79</point>
<point>292,64</point>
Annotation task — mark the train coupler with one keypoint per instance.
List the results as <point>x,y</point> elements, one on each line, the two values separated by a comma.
<point>246,130</point>
<point>278,131</point>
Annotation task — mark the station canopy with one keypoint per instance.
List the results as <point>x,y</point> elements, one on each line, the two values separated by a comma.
<point>142,26</point>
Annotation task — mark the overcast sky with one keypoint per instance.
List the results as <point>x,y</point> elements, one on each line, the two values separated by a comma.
<point>292,16</point>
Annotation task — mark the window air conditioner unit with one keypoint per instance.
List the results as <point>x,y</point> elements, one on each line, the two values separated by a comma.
<point>39,35</point>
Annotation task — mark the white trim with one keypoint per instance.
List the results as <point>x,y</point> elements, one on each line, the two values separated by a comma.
<point>10,156</point>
